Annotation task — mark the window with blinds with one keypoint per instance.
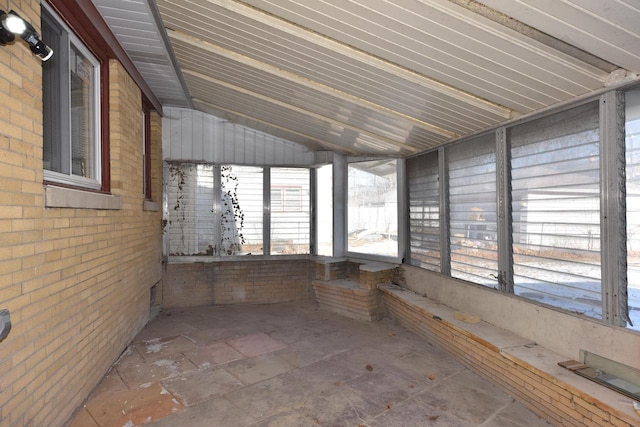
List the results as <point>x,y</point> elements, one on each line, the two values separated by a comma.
<point>290,211</point>
<point>556,210</point>
<point>472,210</point>
<point>424,211</point>
<point>632,158</point>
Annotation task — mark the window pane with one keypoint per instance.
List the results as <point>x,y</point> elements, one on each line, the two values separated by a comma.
<point>424,211</point>
<point>290,216</point>
<point>556,210</point>
<point>52,89</point>
<point>241,210</point>
<point>191,220</point>
<point>472,206</point>
<point>324,210</point>
<point>83,138</point>
<point>373,207</point>
<point>633,205</point>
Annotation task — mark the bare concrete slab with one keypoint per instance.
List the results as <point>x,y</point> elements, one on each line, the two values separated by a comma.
<point>291,365</point>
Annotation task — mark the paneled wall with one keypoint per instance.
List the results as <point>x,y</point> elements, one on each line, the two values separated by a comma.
<point>195,136</point>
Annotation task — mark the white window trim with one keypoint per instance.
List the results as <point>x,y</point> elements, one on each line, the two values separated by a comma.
<point>70,179</point>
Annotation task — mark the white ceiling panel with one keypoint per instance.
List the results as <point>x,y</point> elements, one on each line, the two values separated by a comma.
<point>375,77</point>
<point>608,29</point>
<point>134,25</point>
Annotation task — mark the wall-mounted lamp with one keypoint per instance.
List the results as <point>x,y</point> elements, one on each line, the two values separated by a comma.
<point>12,25</point>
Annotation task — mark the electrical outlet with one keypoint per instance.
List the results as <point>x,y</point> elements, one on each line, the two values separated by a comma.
<point>5,323</point>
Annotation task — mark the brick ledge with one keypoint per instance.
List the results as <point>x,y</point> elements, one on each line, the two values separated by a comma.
<point>526,370</point>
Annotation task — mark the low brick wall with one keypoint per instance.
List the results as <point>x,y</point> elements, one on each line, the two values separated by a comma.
<point>350,288</point>
<point>236,282</point>
<point>527,371</point>
<point>347,298</point>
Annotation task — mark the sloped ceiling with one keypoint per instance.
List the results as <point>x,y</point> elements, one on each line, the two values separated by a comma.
<point>375,77</point>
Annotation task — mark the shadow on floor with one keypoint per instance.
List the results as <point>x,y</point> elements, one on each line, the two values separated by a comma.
<point>290,365</point>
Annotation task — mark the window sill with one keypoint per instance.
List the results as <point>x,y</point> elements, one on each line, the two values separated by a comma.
<point>60,197</point>
<point>191,259</point>
<point>151,206</point>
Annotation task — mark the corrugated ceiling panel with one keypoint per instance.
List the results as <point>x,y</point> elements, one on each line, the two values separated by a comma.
<point>419,106</point>
<point>307,54</point>
<point>373,76</point>
<point>447,42</point>
<point>325,131</point>
<point>435,38</point>
<point>132,22</point>
<point>607,29</point>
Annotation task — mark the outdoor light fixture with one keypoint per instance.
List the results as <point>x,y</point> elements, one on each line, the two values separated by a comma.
<point>12,25</point>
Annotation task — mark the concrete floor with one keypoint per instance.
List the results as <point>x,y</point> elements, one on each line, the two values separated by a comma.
<point>290,365</point>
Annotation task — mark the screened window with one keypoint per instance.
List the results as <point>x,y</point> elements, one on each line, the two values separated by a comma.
<point>373,208</point>
<point>290,211</point>
<point>633,205</point>
<point>472,210</point>
<point>71,107</point>
<point>556,210</point>
<point>424,211</point>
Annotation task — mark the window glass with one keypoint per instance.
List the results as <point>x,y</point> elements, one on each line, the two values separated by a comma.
<point>424,211</point>
<point>71,152</point>
<point>290,211</point>
<point>472,210</point>
<point>556,210</point>
<point>242,210</point>
<point>146,154</point>
<point>201,224</point>
<point>190,201</point>
<point>83,136</point>
<point>324,209</point>
<point>373,207</point>
<point>633,205</point>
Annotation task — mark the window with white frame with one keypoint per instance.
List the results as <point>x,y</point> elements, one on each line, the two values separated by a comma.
<point>373,207</point>
<point>324,210</point>
<point>290,211</point>
<point>71,107</point>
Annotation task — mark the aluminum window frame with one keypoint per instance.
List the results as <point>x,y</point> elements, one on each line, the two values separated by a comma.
<point>266,208</point>
<point>612,202</point>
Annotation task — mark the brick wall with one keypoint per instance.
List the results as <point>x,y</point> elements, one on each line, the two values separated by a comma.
<point>75,280</point>
<point>237,282</point>
<point>525,370</point>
